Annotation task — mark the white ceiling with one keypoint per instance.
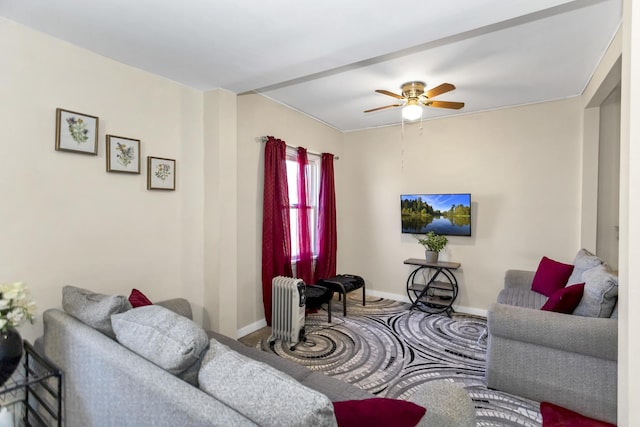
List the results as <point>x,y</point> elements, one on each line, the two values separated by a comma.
<point>325,58</point>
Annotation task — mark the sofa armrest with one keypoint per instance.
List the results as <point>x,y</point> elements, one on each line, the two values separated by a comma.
<point>597,337</point>
<point>106,384</point>
<point>178,305</point>
<point>518,279</point>
<point>564,359</point>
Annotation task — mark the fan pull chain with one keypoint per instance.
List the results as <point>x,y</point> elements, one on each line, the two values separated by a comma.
<point>402,145</point>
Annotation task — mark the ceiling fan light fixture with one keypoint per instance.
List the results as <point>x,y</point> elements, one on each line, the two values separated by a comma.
<point>412,111</point>
<point>414,98</point>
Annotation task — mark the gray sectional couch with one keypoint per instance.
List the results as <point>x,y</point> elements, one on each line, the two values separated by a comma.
<point>108,384</point>
<point>566,359</point>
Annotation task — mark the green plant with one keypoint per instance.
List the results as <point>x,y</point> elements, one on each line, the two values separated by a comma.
<point>433,242</point>
<point>15,305</point>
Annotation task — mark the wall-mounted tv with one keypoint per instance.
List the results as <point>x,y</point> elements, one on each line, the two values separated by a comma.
<point>448,214</point>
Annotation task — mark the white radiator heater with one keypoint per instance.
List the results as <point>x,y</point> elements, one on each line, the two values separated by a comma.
<point>288,303</point>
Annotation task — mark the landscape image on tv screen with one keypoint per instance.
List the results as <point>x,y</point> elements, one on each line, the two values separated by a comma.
<point>448,214</point>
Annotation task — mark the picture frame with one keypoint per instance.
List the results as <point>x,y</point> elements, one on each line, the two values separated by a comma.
<point>161,173</point>
<point>123,154</point>
<point>76,132</point>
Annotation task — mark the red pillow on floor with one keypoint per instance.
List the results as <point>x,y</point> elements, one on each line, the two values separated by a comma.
<point>565,300</point>
<point>138,299</point>
<point>378,412</point>
<point>557,416</point>
<point>550,276</point>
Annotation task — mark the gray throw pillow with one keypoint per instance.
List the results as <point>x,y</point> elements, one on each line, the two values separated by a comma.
<point>583,261</point>
<point>261,393</point>
<point>92,308</point>
<point>600,293</point>
<point>161,336</point>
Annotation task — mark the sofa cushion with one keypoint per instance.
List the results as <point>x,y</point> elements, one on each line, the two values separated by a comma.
<point>378,412</point>
<point>550,276</point>
<point>522,298</point>
<point>92,308</point>
<point>266,396</point>
<point>138,299</point>
<point>614,313</point>
<point>600,293</point>
<point>448,404</point>
<point>161,336</point>
<point>583,261</point>
<point>565,300</point>
<point>557,416</point>
<point>177,305</point>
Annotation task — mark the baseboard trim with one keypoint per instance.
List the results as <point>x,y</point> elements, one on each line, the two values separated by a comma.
<point>470,310</point>
<point>404,298</point>
<point>386,295</point>
<point>251,328</point>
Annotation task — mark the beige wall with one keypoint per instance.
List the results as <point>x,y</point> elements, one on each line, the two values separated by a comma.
<point>521,166</point>
<point>63,218</point>
<point>220,217</point>
<point>259,116</point>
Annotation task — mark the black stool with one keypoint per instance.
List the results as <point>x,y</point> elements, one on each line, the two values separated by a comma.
<point>343,284</point>
<point>318,295</point>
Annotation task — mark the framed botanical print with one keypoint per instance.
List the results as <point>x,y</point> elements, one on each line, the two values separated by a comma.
<point>123,154</point>
<point>76,132</point>
<point>161,173</point>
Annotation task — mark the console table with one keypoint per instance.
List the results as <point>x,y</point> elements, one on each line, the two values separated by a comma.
<point>432,287</point>
<point>33,394</point>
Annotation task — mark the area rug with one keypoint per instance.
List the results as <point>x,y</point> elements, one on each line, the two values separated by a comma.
<point>389,350</point>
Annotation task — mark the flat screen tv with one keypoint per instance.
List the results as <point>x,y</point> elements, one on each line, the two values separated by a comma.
<point>448,214</point>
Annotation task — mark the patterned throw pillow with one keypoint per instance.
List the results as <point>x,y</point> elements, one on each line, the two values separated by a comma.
<point>268,397</point>
<point>93,309</point>
<point>600,293</point>
<point>583,261</point>
<point>161,336</point>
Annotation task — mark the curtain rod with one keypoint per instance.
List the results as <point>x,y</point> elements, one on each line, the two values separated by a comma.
<point>265,138</point>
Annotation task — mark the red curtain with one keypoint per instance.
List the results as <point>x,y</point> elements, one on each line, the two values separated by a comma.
<point>276,238</point>
<point>327,231</point>
<point>304,264</point>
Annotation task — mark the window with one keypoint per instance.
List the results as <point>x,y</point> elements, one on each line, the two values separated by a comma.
<point>313,194</point>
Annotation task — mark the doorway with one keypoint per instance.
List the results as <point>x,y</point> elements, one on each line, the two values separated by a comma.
<point>609,179</point>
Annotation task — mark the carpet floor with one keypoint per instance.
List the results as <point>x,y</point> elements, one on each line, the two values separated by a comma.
<point>389,350</point>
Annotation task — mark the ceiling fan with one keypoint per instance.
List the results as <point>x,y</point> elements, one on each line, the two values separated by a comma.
<point>415,97</point>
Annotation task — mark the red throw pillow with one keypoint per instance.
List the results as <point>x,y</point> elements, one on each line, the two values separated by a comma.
<point>550,276</point>
<point>565,300</point>
<point>378,412</point>
<point>138,299</point>
<point>557,416</point>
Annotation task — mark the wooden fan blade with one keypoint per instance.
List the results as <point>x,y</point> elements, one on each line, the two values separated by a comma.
<point>439,90</point>
<point>446,104</point>
<point>386,92</point>
<point>382,108</point>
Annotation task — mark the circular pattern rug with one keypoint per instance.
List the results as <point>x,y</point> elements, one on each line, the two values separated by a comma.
<point>389,350</point>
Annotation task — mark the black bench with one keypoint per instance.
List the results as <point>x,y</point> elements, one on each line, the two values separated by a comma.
<point>343,284</point>
<point>318,295</point>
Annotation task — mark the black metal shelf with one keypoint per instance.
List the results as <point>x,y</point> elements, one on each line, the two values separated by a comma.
<point>431,295</point>
<point>33,394</point>
<point>436,284</point>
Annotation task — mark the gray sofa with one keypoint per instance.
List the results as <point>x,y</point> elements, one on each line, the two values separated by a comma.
<point>566,359</point>
<point>106,384</point>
